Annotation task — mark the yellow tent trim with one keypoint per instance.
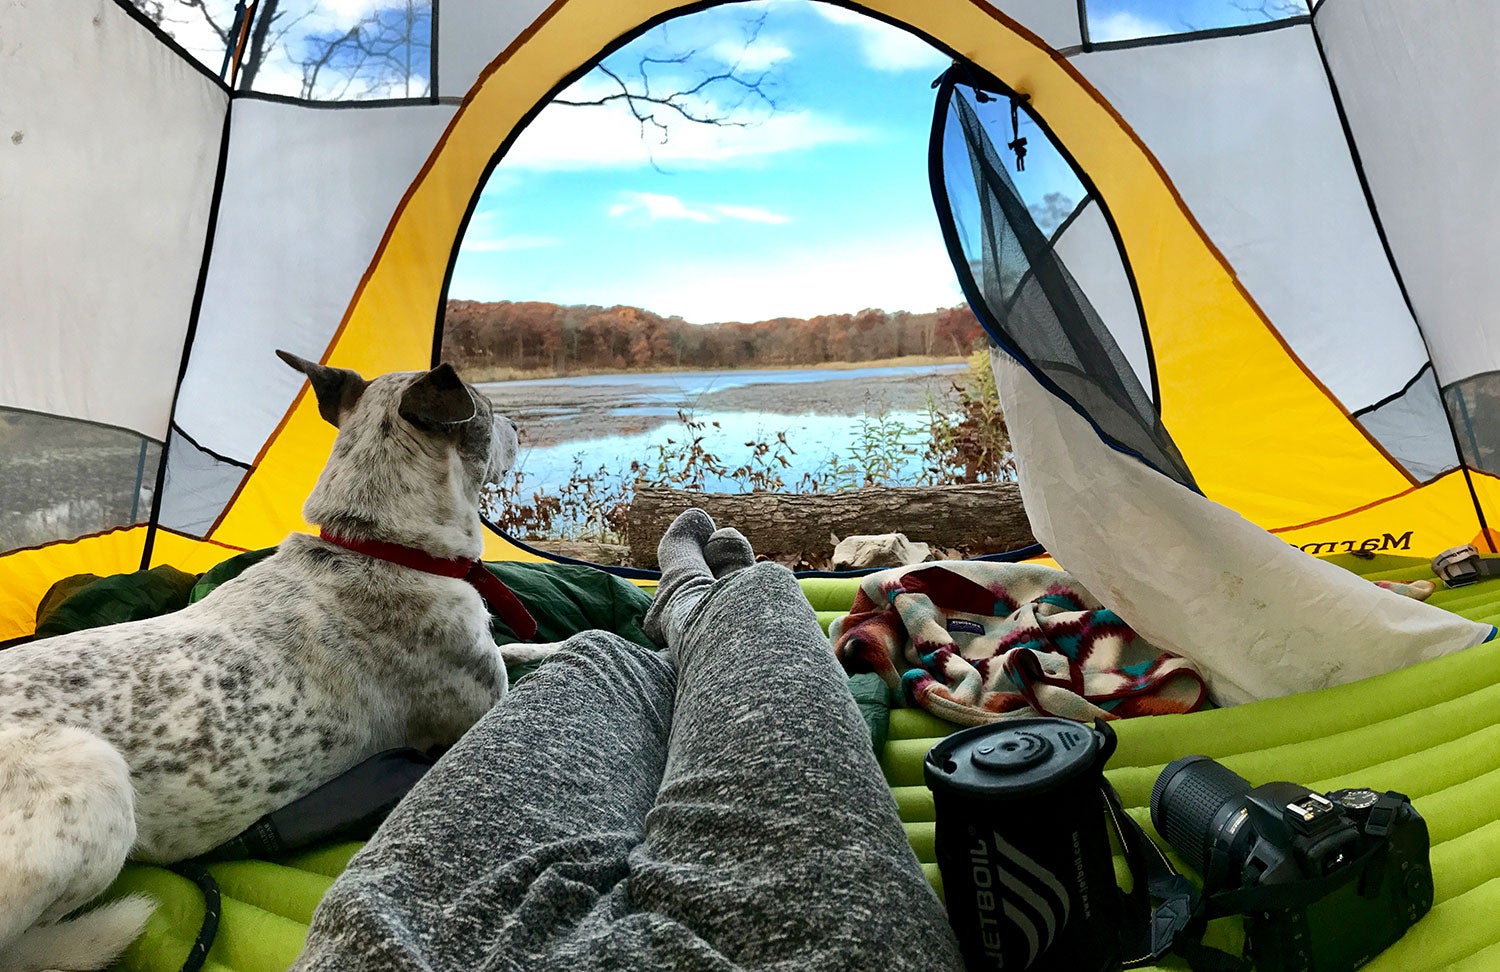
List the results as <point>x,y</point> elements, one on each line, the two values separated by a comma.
<point>29,573</point>
<point>1220,363</point>
<point>1418,522</point>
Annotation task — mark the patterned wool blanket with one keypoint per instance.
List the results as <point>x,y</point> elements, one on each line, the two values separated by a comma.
<point>973,642</point>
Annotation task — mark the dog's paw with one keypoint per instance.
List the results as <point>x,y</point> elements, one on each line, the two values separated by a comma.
<point>521,652</point>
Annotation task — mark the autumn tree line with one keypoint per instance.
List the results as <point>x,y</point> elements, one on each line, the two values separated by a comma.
<point>536,336</point>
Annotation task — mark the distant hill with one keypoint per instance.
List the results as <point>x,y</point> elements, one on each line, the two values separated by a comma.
<point>527,336</point>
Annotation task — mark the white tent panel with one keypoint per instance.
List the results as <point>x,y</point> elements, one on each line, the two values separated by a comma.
<point>308,195</point>
<point>1054,21</point>
<point>1258,617</point>
<point>1088,249</point>
<point>472,33</point>
<point>106,181</point>
<point>1418,82</point>
<point>1248,132</point>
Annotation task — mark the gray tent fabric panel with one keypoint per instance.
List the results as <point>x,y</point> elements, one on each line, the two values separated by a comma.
<point>303,210</point>
<point>1418,83</point>
<point>61,478</point>
<point>1053,21</point>
<point>111,143</point>
<point>198,487</point>
<point>1248,132</point>
<point>1411,427</point>
<point>472,33</point>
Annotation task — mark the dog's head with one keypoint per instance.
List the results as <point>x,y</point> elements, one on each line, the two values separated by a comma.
<point>429,410</point>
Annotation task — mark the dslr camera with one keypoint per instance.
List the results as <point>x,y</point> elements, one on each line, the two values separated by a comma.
<point>1325,880</point>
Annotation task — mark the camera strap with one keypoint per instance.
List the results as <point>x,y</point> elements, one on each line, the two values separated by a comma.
<point>1177,919</point>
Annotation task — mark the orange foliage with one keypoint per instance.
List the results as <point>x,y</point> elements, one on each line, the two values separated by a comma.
<point>541,336</point>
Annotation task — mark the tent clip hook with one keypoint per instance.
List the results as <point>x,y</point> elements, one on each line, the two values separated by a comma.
<point>1017,144</point>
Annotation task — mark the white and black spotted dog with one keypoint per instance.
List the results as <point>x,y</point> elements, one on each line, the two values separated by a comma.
<point>161,739</point>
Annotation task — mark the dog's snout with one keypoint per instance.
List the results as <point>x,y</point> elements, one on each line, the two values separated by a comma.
<point>513,425</point>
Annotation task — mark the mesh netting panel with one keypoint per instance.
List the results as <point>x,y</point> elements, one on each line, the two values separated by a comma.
<point>61,478</point>
<point>1030,302</point>
<point>1474,407</point>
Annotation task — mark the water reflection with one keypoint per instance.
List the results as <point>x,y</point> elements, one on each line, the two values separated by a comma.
<point>614,420</point>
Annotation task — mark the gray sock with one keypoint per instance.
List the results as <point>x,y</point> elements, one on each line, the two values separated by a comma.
<point>727,551</point>
<point>685,575</point>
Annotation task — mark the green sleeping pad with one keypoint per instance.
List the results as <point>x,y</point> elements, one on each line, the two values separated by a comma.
<point>1431,731</point>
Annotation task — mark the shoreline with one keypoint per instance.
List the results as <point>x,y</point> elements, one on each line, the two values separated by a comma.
<point>503,374</point>
<point>561,410</point>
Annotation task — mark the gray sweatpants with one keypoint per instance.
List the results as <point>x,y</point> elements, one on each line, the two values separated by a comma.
<point>619,812</point>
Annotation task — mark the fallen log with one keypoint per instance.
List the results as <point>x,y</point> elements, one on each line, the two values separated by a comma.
<point>975,517</point>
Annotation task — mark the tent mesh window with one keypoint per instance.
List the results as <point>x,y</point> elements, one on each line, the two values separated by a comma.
<point>307,50</point>
<point>1021,290</point>
<point>1471,402</point>
<point>61,478</point>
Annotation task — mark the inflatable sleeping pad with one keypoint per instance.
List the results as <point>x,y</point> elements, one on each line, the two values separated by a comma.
<point>1431,731</point>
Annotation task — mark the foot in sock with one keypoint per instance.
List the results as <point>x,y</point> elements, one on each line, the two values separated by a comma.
<point>685,575</point>
<point>727,551</point>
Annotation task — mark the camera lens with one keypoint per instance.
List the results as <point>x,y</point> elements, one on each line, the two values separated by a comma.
<point>1191,801</point>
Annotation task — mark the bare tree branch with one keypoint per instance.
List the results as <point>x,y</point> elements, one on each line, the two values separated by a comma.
<point>642,96</point>
<point>378,50</point>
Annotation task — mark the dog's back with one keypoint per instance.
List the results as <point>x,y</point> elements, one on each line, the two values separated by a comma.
<point>330,657</point>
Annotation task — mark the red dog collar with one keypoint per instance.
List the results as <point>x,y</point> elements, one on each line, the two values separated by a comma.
<point>502,601</point>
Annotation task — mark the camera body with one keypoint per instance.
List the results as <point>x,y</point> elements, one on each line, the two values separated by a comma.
<point>1325,881</point>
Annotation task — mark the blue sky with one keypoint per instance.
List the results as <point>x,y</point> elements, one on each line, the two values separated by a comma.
<point>819,206</point>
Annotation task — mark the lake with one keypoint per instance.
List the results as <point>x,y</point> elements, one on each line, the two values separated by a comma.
<point>612,420</point>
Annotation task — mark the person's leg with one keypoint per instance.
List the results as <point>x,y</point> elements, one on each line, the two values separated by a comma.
<point>520,833</point>
<point>775,841</point>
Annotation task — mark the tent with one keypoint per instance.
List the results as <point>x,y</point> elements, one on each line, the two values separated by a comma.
<point>1285,233</point>
<point>1262,333</point>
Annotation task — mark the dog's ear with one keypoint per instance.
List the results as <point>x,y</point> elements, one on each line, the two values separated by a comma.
<point>437,400</point>
<point>337,389</point>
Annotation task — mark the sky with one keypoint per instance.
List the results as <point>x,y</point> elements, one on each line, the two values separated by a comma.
<point>818,206</point>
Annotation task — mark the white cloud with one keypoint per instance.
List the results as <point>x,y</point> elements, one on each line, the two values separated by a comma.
<point>885,47</point>
<point>483,235</point>
<point>607,136</point>
<point>346,13</point>
<point>753,214</point>
<point>761,55</point>
<point>1124,25</point>
<point>786,282</point>
<point>654,206</point>
<point>657,206</point>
